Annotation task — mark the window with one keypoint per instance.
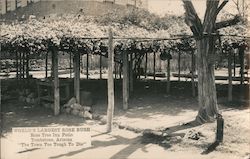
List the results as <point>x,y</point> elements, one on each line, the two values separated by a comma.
<point>109,1</point>
<point>18,3</point>
<point>8,5</point>
<point>30,1</point>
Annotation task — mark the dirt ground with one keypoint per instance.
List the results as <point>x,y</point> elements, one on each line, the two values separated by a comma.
<point>155,111</point>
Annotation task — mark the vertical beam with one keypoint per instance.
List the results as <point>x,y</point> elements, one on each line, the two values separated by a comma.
<point>20,65</point>
<point>0,81</point>
<point>74,70</point>
<point>131,74</point>
<point>125,84</point>
<point>179,66</point>
<point>192,72</point>
<point>77,76</point>
<point>168,76</point>
<point>46,65</point>
<point>23,64</point>
<point>234,62</point>
<point>120,71</point>
<point>154,66</point>
<point>17,65</point>
<point>146,64</point>
<point>100,65</point>
<point>52,66</point>
<point>110,110</point>
<point>115,70</point>
<point>87,70</point>
<point>70,64</point>
<point>56,82</point>
<point>27,65</point>
<point>230,87</point>
<point>241,55</point>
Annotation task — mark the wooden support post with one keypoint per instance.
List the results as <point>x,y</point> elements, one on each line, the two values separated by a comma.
<point>146,64</point>
<point>23,64</point>
<point>17,65</point>
<point>77,75</point>
<point>115,70</point>
<point>100,65</point>
<point>46,65</point>
<point>87,70</point>
<point>168,76</point>
<point>52,66</point>
<point>56,82</point>
<point>27,65</point>
<point>192,72</point>
<point>70,64</point>
<point>20,65</point>
<point>131,74</point>
<point>230,87</point>
<point>234,62</point>
<point>120,71</point>
<point>1,80</point>
<point>74,70</point>
<point>179,66</point>
<point>220,128</point>
<point>110,110</point>
<point>125,84</point>
<point>241,56</point>
<point>154,65</point>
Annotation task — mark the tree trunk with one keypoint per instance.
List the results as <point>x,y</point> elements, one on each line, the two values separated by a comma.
<point>206,81</point>
<point>206,49</point>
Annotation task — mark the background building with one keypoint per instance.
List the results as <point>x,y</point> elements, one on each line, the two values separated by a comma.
<point>7,6</point>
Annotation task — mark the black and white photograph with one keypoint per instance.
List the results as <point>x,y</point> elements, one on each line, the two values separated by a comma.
<point>124,79</point>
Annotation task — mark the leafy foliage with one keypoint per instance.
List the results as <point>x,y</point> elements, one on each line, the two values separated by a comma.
<point>144,19</point>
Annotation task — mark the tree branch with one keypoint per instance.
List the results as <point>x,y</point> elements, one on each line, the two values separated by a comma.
<point>221,6</point>
<point>227,23</point>
<point>192,19</point>
<point>210,15</point>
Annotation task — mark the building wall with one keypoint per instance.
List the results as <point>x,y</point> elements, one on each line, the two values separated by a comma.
<point>136,3</point>
<point>2,6</point>
<point>11,5</point>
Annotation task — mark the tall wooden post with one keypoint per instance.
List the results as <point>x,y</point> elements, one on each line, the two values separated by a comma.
<point>17,65</point>
<point>179,66</point>
<point>46,65</point>
<point>56,82</point>
<point>23,65</point>
<point>230,87</point>
<point>52,66</point>
<point>234,62</point>
<point>0,80</point>
<point>125,84</point>
<point>131,74</point>
<point>20,65</point>
<point>70,64</point>
<point>87,70</point>
<point>27,65</point>
<point>154,65</point>
<point>77,75</point>
<point>146,64</point>
<point>110,110</point>
<point>115,70</point>
<point>192,72</point>
<point>168,76</point>
<point>241,56</point>
<point>100,65</point>
<point>120,71</point>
